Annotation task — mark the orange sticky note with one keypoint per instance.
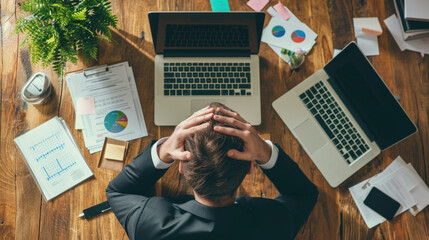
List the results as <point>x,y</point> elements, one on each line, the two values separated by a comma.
<point>281,10</point>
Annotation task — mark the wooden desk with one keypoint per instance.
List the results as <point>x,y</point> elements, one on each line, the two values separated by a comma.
<point>25,215</point>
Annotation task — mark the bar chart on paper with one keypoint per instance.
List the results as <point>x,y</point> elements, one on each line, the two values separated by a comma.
<point>50,155</point>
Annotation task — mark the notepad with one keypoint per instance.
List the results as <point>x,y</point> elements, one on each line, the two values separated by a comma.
<point>113,154</point>
<point>53,158</point>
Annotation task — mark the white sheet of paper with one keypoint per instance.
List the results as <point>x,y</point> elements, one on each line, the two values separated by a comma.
<point>368,44</point>
<point>285,40</point>
<point>360,191</point>
<point>420,194</point>
<point>420,45</point>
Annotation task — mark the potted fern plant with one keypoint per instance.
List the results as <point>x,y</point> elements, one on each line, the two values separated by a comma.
<point>60,30</point>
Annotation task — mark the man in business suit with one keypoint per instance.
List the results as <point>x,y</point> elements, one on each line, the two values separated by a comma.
<point>215,149</point>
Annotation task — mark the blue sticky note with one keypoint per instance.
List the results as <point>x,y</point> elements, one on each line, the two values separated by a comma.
<point>220,5</point>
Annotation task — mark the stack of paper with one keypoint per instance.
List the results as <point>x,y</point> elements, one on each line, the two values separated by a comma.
<point>286,31</point>
<point>107,105</point>
<point>418,45</point>
<point>401,182</point>
<point>366,32</point>
<point>53,158</point>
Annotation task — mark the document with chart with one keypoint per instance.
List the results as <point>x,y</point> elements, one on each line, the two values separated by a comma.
<point>117,110</point>
<point>53,158</point>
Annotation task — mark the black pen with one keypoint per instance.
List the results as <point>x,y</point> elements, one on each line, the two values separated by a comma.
<point>95,210</point>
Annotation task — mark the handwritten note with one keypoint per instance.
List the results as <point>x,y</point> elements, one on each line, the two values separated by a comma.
<point>220,5</point>
<point>282,11</point>
<point>257,5</point>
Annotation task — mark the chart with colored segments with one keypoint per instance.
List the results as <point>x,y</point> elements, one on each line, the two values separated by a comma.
<point>115,121</point>
<point>298,36</point>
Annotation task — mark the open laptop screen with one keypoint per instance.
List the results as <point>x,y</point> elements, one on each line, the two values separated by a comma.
<point>206,33</point>
<point>363,89</point>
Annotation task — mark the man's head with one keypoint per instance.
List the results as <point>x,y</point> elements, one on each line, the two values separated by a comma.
<point>210,172</point>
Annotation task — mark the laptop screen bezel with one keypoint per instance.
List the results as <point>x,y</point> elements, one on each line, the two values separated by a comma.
<point>352,53</point>
<point>158,21</point>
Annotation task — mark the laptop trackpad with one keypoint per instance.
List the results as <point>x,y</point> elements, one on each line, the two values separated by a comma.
<point>198,104</point>
<point>310,135</point>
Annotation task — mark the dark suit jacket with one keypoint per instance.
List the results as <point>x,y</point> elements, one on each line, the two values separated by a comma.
<point>250,218</point>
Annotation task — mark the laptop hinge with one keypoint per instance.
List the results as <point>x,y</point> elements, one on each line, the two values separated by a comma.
<point>206,53</point>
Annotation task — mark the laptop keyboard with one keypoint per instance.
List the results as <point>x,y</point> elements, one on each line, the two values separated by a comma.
<point>206,79</point>
<point>334,122</point>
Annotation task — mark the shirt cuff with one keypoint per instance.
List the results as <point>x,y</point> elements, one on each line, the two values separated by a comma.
<point>155,158</point>
<point>273,159</point>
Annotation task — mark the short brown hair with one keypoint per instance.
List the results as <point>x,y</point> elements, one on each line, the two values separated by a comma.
<point>210,172</point>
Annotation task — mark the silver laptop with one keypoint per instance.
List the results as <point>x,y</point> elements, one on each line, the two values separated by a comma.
<point>344,115</point>
<point>204,57</point>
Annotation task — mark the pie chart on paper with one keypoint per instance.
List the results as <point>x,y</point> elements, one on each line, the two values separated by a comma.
<point>278,31</point>
<point>298,36</point>
<point>115,121</point>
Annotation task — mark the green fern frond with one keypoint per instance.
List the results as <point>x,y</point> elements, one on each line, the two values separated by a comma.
<point>59,30</point>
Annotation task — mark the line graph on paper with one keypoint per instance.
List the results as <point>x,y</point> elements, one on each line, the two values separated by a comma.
<point>52,157</point>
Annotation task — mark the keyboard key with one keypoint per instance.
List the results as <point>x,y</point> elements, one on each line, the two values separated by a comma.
<point>313,90</point>
<point>231,92</point>
<point>309,94</point>
<point>168,74</point>
<point>168,86</point>
<point>224,92</point>
<point>166,92</point>
<point>353,155</point>
<point>205,92</point>
<point>244,86</point>
<point>179,92</point>
<point>359,153</point>
<point>186,92</point>
<point>172,92</point>
<point>169,80</point>
<point>324,126</point>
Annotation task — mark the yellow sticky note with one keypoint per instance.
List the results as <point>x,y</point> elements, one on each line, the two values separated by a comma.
<point>115,152</point>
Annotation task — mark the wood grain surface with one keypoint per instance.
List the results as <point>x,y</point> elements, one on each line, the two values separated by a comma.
<point>25,215</point>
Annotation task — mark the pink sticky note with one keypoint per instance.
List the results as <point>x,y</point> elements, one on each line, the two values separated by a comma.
<point>281,10</point>
<point>257,5</point>
<point>85,106</point>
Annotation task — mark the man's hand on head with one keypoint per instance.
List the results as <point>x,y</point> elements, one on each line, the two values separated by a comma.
<point>255,148</point>
<point>173,148</point>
